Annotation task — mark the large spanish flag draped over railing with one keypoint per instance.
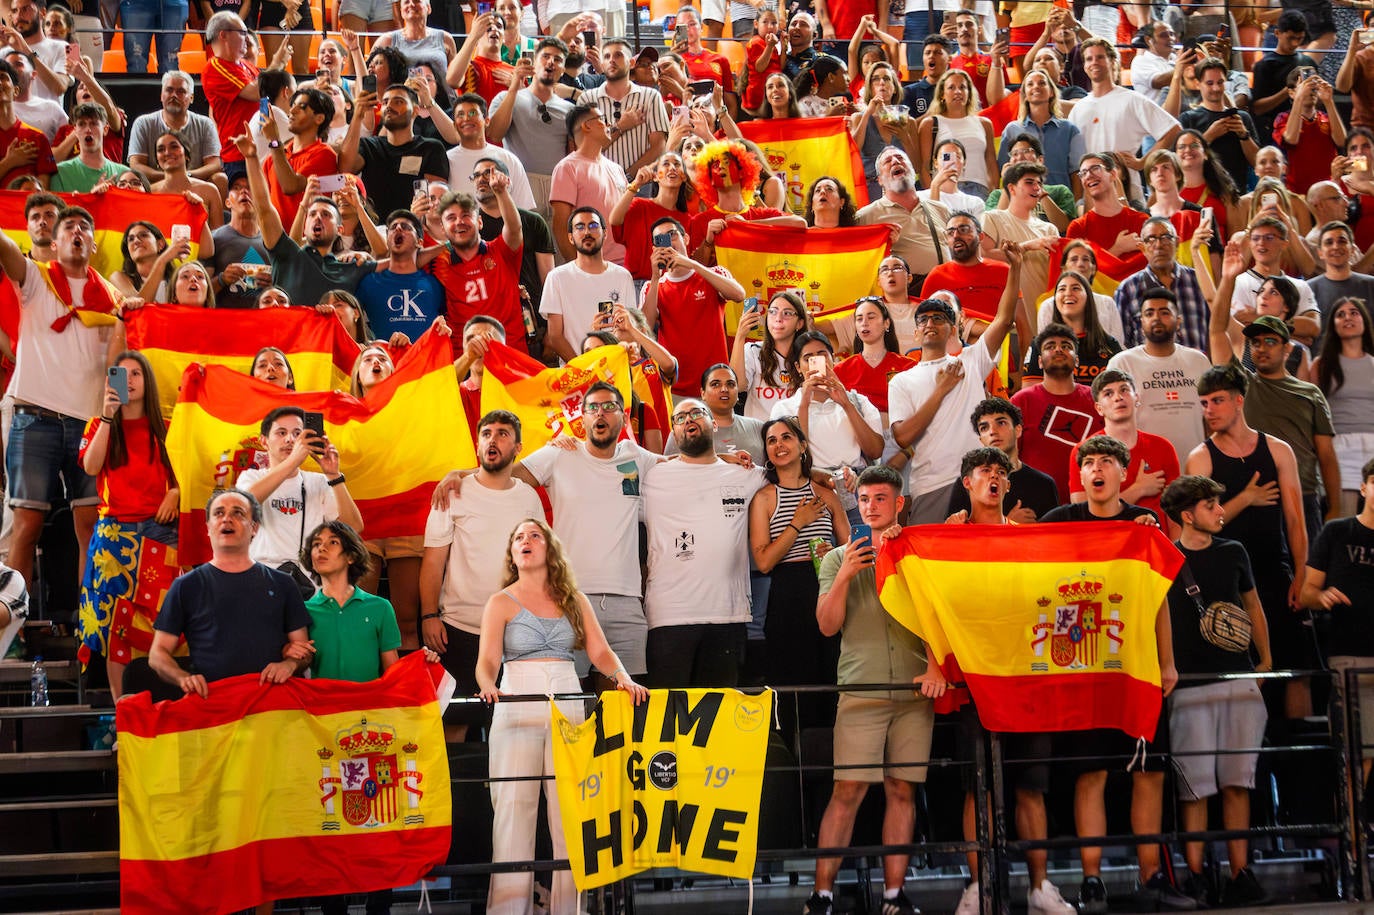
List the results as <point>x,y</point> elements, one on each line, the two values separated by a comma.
<point>265,792</point>
<point>174,336</point>
<point>829,267</point>
<point>393,446</point>
<point>548,401</point>
<point>804,149</point>
<point>1051,626</point>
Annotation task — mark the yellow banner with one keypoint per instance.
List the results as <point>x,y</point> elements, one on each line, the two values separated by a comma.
<point>672,783</point>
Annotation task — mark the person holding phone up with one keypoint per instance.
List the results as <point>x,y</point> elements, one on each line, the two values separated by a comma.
<point>124,448</point>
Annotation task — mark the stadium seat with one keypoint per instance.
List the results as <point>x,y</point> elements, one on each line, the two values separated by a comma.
<point>192,62</point>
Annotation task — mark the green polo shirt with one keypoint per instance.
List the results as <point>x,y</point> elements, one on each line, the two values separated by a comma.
<point>349,640</point>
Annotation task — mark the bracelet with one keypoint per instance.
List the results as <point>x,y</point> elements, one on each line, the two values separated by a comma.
<point>431,616</point>
<point>106,420</point>
<point>794,527</point>
<point>337,480</point>
<point>617,671</point>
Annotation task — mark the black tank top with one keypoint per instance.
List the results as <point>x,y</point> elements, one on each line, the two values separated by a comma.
<point>1260,528</point>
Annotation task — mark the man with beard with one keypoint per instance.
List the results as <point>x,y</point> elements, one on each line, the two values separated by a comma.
<point>531,121</point>
<point>595,490</point>
<point>465,554</point>
<point>1159,244</point>
<point>977,282</point>
<point>390,163</point>
<point>197,132</point>
<point>919,238</point>
<point>310,270</point>
<point>587,286</point>
<point>402,298</point>
<point>586,177</point>
<point>482,277</point>
<point>43,113</point>
<point>1059,412</point>
<point>637,115</point>
<point>1166,374</point>
<point>1106,219</point>
<point>49,56</point>
<point>470,118</point>
<point>697,597</point>
<point>304,153</point>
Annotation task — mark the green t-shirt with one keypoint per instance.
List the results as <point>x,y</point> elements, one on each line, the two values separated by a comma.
<point>874,648</point>
<point>75,177</point>
<point>1061,195</point>
<point>349,640</point>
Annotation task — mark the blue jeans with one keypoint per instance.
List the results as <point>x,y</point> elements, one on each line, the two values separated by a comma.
<point>41,462</point>
<point>919,23</point>
<point>142,19</point>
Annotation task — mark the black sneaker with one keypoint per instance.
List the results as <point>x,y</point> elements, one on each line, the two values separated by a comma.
<point>819,905</point>
<point>1198,888</point>
<point>1092,896</point>
<point>899,905</point>
<point>1244,889</point>
<point>1158,894</point>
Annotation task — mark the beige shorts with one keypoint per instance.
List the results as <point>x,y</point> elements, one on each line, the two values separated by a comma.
<point>869,730</point>
<point>398,547</point>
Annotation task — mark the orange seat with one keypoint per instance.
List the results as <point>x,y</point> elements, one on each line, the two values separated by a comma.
<point>112,61</point>
<point>660,8</point>
<point>734,52</point>
<point>192,62</point>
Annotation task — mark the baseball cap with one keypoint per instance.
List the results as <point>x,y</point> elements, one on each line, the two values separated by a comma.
<point>1268,324</point>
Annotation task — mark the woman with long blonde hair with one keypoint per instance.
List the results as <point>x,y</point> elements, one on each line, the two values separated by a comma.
<point>533,625</point>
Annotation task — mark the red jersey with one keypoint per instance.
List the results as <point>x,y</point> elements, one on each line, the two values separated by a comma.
<point>1203,198</point>
<point>481,77</point>
<point>1052,425</point>
<point>753,52</point>
<point>486,284</point>
<point>1150,454</point>
<point>134,491</point>
<point>979,286</point>
<point>472,405</point>
<point>871,380</point>
<point>1103,230</point>
<point>846,14</point>
<point>691,316</point>
<point>113,147</point>
<point>44,164</point>
<point>977,67</point>
<point>1309,159</point>
<point>634,233</point>
<point>706,64</point>
<point>316,159</point>
<point>223,81</point>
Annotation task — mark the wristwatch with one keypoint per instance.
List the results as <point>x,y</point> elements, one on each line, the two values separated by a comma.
<point>274,144</point>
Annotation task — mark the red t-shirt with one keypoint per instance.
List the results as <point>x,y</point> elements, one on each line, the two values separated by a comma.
<point>634,233</point>
<point>753,90</point>
<point>44,164</point>
<point>1103,230</point>
<point>134,491</point>
<point>1203,198</point>
<point>871,380</point>
<point>223,81</point>
<point>1052,425</point>
<point>977,67</point>
<point>1309,160</point>
<point>845,16</point>
<point>481,78</point>
<point>1151,453</point>
<point>696,230</point>
<point>113,147</point>
<point>691,318</point>
<point>472,404</point>
<point>979,286</point>
<point>316,159</point>
<point>487,284</point>
<point>709,65</point>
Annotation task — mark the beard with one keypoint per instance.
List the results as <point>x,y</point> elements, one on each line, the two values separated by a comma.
<point>574,60</point>
<point>903,185</point>
<point>606,441</point>
<point>498,465</point>
<point>694,445</point>
<point>1159,336</point>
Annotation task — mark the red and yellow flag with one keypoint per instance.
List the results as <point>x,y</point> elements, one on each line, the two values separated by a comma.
<point>1002,114</point>
<point>830,268</point>
<point>1051,626</point>
<point>394,446</point>
<point>548,401</point>
<point>265,792</point>
<point>1112,271</point>
<point>174,337</point>
<point>804,149</point>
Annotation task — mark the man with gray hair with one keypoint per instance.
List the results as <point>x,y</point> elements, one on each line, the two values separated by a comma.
<point>197,132</point>
<point>919,236</point>
<point>231,86</point>
<point>1159,244</point>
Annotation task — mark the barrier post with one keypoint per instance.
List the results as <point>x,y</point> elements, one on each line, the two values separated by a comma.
<point>1341,738</point>
<point>1355,773</point>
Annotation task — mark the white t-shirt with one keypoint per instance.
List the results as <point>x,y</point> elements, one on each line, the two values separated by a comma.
<point>1145,66</point>
<point>936,454</point>
<point>1120,120</point>
<point>698,522</point>
<point>59,371</point>
<point>286,519</point>
<point>1249,283</point>
<point>763,392</point>
<point>596,511</point>
<point>283,131</point>
<point>1167,388</point>
<point>42,113</point>
<point>573,293</point>
<point>476,528</point>
<point>829,431</point>
<point>959,202</point>
<point>462,161</point>
<point>53,53</point>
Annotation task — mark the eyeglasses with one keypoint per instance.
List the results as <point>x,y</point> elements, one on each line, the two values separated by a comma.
<point>484,173</point>
<point>891,268</point>
<point>1187,146</point>
<point>1267,341</point>
<point>464,114</point>
<point>544,112</point>
<point>961,230</point>
<point>404,226</point>
<point>781,313</point>
<point>1165,239</point>
<point>688,415</point>
<point>1264,237</point>
<point>139,236</point>
<point>1092,170</point>
<point>605,406</point>
<point>586,226</point>
<point>922,320</point>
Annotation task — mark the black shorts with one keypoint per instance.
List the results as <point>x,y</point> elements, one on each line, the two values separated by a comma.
<point>1024,776</point>
<point>269,15</point>
<point>1107,748</point>
<point>460,660</point>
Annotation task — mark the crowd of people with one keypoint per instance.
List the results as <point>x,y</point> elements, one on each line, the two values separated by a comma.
<point>536,180</point>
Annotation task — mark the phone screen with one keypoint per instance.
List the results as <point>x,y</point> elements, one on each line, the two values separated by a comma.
<point>680,35</point>
<point>604,308</point>
<point>663,240</point>
<point>119,382</point>
<point>370,82</point>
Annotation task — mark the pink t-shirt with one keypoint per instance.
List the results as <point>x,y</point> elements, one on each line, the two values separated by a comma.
<point>584,182</point>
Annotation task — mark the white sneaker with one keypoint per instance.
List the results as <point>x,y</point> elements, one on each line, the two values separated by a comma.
<point>1045,900</point>
<point>968,903</point>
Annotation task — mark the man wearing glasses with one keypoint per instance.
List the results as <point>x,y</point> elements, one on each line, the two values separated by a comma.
<point>1159,243</point>
<point>1107,221</point>
<point>977,282</point>
<point>697,598</point>
<point>586,286</point>
<point>919,236</point>
<point>530,120</point>
<point>470,118</point>
<point>231,85</point>
<point>402,298</point>
<point>1269,238</point>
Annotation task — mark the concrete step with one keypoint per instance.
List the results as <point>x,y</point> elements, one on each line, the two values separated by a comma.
<point>56,761</point>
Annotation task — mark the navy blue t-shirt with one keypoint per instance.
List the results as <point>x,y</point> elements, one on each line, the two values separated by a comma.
<point>405,302</point>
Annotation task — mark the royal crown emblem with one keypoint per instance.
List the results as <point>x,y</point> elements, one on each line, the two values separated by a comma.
<point>1072,621</point>
<point>370,781</point>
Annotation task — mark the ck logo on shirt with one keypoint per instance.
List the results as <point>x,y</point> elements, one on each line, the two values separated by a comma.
<point>732,500</point>
<point>406,304</point>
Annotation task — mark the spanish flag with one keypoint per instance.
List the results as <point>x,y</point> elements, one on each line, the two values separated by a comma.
<point>1002,114</point>
<point>549,401</point>
<point>394,446</point>
<point>1051,626</point>
<point>804,149</point>
<point>173,337</point>
<point>830,268</point>
<point>1112,271</point>
<point>265,792</point>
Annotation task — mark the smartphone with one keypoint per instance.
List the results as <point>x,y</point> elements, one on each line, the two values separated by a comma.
<point>1359,163</point>
<point>1365,37</point>
<point>1306,73</point>
<point>321,76</point>
<point>1230,112</point>
<point>700,87</point>
<point>483,7</point>
<point>1269,200</point>
<point>1224,32</point>
<point>815,364</point>
<point>751,304</point>
<point>663,240</point>
<point>181,232</point>
<point>419,186</point>
<point>265,108</point>
<point>1205,217</point>
<point>680,34</point>
<point>605,308</point>
<point>946,158</point>
<point>370,82</point>
<point>861,530</point>
<point>119,381</point>
<point>73,53</point>
<point>314,422</point>
<point>527,57</point>
<point>331,183</point>
<point>1004,36</point>
<point>589,38</point>
<point>415,73</point>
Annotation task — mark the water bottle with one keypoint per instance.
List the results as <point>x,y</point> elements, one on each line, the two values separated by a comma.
<point>38,684</point>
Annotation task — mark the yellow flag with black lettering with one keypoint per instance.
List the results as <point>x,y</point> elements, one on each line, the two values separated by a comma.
<point>673,782</point>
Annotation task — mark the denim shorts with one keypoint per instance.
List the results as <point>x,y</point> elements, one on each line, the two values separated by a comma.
<point>156,530</point>
<point>371,10</point>
<point>41,462</point>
